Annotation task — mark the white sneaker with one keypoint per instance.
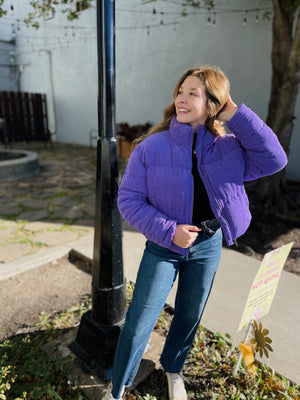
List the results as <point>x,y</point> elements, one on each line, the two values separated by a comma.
<point>176,387</point>
<point>109,396</point>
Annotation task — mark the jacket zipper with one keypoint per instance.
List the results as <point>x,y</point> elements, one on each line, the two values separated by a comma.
<point>209,186</point>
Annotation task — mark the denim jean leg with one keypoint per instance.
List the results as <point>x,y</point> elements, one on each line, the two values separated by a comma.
<point>157,273</point>
<point>195,281</point>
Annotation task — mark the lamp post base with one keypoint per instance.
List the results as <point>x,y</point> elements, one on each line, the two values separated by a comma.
<point>95,345</point>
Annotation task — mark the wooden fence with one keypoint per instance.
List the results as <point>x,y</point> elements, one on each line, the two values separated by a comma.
<point>24,117</point>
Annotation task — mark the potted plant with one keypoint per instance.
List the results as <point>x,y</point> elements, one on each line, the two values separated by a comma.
<point>126,135</point>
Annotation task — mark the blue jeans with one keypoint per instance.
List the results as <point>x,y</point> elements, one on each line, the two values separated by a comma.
<point>157,273</point>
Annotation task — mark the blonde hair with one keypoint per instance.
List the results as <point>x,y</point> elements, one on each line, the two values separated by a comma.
<point>217,92</point>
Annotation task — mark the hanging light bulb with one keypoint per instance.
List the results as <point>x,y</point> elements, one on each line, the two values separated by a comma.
<point>208,18</point>
<point>245,21</point>
<point>256,17</point>
<point>11,9</point>
<point>214,20</point>
<point>161,21</point>
<point>13,31</point>
<point>18,26</point>
<point>154,14</point>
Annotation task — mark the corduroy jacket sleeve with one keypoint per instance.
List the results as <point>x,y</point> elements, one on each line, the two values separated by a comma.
<point>264,154</point>
<point>134,205</point>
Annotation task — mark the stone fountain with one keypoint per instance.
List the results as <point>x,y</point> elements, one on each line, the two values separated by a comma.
<point>17,165</point>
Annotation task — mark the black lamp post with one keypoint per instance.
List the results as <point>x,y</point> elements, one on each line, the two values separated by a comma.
<point>99,328</point>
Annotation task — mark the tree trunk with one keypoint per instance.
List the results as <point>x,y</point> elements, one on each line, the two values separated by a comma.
<point>285,83</point>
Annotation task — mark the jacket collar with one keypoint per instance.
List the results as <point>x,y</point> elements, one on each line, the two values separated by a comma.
<point>183,134</point>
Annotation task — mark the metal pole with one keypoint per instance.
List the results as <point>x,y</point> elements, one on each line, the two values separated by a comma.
<point>99,328</point>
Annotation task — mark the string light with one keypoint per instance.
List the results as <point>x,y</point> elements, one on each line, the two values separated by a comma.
<point>72,31</point>
<point>201,11</point>
<point>256,17</point>
<point>184,12</point>
<point>208,18</point>
<point>214,20</point>
<point>13,31</point>
<point>245,21</point>
<point>147,26</point>
<point>161,21</point>
<point>207,11</point>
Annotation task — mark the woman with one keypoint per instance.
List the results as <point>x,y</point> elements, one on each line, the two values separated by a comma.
<point>182,188</point>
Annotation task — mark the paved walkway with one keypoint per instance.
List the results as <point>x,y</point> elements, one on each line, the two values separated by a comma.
<point>42,218</point>
<point>55,207</point>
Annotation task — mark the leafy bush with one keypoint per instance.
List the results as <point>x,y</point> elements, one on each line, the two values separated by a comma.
<point>130,133</point>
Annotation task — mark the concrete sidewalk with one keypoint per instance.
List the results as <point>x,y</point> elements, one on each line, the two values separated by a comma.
<point>226,303</point>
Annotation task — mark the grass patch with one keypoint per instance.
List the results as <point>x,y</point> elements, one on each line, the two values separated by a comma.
<point>208,374</point>
<point>26,371</point>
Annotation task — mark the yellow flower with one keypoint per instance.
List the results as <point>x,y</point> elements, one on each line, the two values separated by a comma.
<point>247,351</point>
<point>262,342</point>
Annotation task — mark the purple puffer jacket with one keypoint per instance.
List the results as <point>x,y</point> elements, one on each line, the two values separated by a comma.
<point>156,192</point>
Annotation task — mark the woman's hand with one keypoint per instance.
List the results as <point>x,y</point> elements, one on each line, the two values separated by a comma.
<point>185,235</point>
<point>227,111</point>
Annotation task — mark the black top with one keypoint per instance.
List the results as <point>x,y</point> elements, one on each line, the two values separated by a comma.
<point>201,207</point>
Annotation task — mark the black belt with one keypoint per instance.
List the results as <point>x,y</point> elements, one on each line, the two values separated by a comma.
<point>210,226</point>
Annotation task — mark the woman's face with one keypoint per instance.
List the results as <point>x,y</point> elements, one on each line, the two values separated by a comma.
<point>190,103</point>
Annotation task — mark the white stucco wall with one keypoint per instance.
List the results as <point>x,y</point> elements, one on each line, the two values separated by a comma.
<point>147,65</point>
<point>59,59</point>
<point>8,70</point>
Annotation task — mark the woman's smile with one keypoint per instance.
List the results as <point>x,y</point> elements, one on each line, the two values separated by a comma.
<point>182,110</point>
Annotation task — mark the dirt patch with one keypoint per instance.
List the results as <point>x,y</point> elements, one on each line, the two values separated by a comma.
<point>52,287</point>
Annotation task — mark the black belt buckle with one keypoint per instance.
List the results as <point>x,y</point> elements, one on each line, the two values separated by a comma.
<point>206,228</point>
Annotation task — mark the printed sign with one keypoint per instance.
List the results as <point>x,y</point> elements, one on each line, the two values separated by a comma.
<point>264,286</point>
